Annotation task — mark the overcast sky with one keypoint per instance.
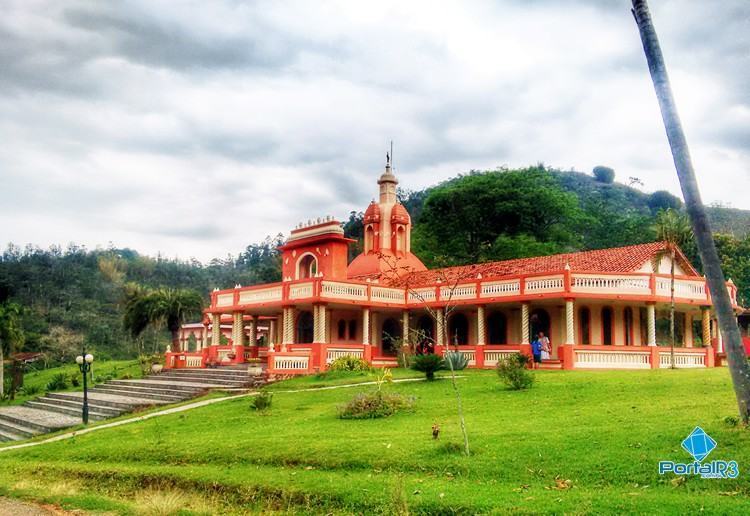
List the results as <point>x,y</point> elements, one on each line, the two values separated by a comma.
<point>195,128</point>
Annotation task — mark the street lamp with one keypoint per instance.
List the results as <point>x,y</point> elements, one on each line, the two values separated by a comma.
<point>84,364</point>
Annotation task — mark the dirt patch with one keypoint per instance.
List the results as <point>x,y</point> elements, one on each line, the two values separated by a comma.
<point>18,508</point>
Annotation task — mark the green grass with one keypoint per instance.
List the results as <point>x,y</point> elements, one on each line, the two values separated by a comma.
<point>599,435</point>
<point>40,378</point>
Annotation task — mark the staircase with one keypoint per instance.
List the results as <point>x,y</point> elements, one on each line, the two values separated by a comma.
<point>550,364</point>
<point>57,410</point>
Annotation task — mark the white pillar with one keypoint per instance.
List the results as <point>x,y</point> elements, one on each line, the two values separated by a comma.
<point>365,326</point>
<point>524,323</point>
<point>651,313</point>
<point>272,334</point>
<point>374,337</point>
<point>440,330</point>
<point>238,329</point>
<point>706,326</point>
<point>570,328</point>
<point>719,339</point>
<point>215,329</point>
<point>319,322</point>
<point>481,329</point>
<point>288,331</point>
<point>405,327</point>
<point>252,332</point>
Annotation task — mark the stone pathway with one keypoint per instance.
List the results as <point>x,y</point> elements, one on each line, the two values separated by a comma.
<point>18,508</point>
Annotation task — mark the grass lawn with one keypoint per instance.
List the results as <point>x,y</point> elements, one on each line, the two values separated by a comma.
<point>578,442</point>
<point>101,371</point>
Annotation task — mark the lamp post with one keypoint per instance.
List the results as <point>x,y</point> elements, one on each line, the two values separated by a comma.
<point>84,361</point>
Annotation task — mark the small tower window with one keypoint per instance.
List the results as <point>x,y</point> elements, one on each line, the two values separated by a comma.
<point>308,267</point>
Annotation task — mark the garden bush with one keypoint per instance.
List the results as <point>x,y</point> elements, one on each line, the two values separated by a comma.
<point>513,371</point>
<point>58,382</point>
<point>455,360</point>
<point>31,390</point>
<point>349,363</point>
<point>75,379</point>
<point>371,405</point>
<point>262,401</point>
<point>428,364</point>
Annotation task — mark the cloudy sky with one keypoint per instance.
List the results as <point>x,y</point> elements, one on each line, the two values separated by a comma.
<point>194,128</point>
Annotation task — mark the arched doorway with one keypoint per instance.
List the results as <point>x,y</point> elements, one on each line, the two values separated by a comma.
<point>458,330</point>
<point>426,331</point>
<point>607,326</point>
<point>497,328</point>
<point>390,335</point>
<point>307,267</point>
<point>584,325</point>
<point>539,321</point>
<point>627,320</point>
<point>305,325</point>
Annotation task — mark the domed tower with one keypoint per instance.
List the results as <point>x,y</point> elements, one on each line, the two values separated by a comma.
<point>387,235</point>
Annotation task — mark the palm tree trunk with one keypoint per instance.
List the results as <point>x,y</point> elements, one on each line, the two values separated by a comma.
<point>671,310</point>
<point>738,365</point>
<point>175,340</point>
<point>2,371</point>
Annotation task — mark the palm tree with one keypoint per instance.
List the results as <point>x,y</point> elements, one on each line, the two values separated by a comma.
<point>163,307</point>
<point>736,358</point>
<point>673,228</point>
<point>11,335</point>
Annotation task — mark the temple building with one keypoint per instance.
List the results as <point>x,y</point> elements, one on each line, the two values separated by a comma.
<point>601,309</point>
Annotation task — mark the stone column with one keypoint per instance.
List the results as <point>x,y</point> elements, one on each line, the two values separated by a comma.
<point>215,329</point>
<point>252,332</point>
<point>570,327</point>
<point>272,334</point>
<point>651,317</point>
<point>688,330</point>
<point>405,327</point>
<point>316,324</point>
<point>366,326</point>
<point>288,337</point>
<point>524,323</point>
<point>374,340</point>
<point>706,326</point>
<point>319,318</point>
<point>238,329</point>
<point>481,326</point>
<point>719,338</point>
<point>204,338</point>
<point>440,330</point>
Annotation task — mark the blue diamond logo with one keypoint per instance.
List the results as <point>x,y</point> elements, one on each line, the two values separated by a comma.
<point>698,444</point>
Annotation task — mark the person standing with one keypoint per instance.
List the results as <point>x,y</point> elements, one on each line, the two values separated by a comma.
<point>546,346</point>
<point>536,351</point>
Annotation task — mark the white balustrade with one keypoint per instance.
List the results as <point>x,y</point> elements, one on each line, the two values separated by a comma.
<point>301,291</point>
<point>387,295</point>
<point>223,354</point>
<point>225,299</point>
<point>193,361</point>
<point>291,362</point>
<point>334,353</point>
<point>609,284</point>
<point>421,295</point>
<point>470,355</point>
<point>492,357</point>
<point>338,290</point>
<point>458,292</point>
<point>595,359</point>
<point>544,284</point>
<point>501,288</point>
<point>682,360</point>
<point>263,295</point>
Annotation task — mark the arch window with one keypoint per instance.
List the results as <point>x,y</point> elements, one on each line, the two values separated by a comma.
<point>458,329</point>
<point>305,326</point>
<point>341,329</point>
<point>539,321</point>
<point>353,329</point>
<point>369,239</point>
<point>307,267</point>
<point>497,328</point>
<point>584,325</point>
<point>426,332</point>
<point>607,324</point>
<point>627,318</point>
<point>390,335</point>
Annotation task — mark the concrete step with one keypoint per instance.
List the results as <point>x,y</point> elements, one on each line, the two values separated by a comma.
<point>207,371</point>
<point>41,421</point>
<point>220,382</point>
<point>141,392</point>
<point>14,428</point>
<point>186,387</point>
<point>5,435</point>
<point>78,405</point>
<point>68,411</point>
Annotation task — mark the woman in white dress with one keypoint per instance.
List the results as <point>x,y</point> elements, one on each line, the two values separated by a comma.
<point>546,347</point>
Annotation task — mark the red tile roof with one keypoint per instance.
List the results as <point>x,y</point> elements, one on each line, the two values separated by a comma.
<point>618,259</point>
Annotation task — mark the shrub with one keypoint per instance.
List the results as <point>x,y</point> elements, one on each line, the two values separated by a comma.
<point>604,174</point>
<point>262,401</point>
<point>428,364</point>
<point>31,390</point>
<point>455,360</point>
<point>58,382</point>
<point>373,405</point>
<point>349,363</point>
<point>405,358</point>
<point>513,371</point>
<point>74,381</point>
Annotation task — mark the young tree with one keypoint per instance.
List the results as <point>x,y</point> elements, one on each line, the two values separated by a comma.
<point>738,364</point>
<point>11,335</point>
<point>673,228</point>
<point>163,307</point>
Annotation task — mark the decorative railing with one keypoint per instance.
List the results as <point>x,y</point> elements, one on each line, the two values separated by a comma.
<point>458,292</point>
<point>193,361</point>
<point>686,289</point>
<point>421,295</point>
<point>595,359</point>
<point>291,362</point>
<point>544,284</point>
<point>301,291</point>
<point>334,353</point>
<point>501,288</point>
<point>492,357</point>
<point>339,290</point>
<point>607,284</point>
<point>263,295</point>
<point>387,295</point>
<point>470,355</point>
<point>682,359</point>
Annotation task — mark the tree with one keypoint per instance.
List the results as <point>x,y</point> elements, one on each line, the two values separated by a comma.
<point>663,200</point>
<point>11,335</point>
<point>604,174</point>
<point>673,228</point>
<point>162,307</point>
<point>738,364</point>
